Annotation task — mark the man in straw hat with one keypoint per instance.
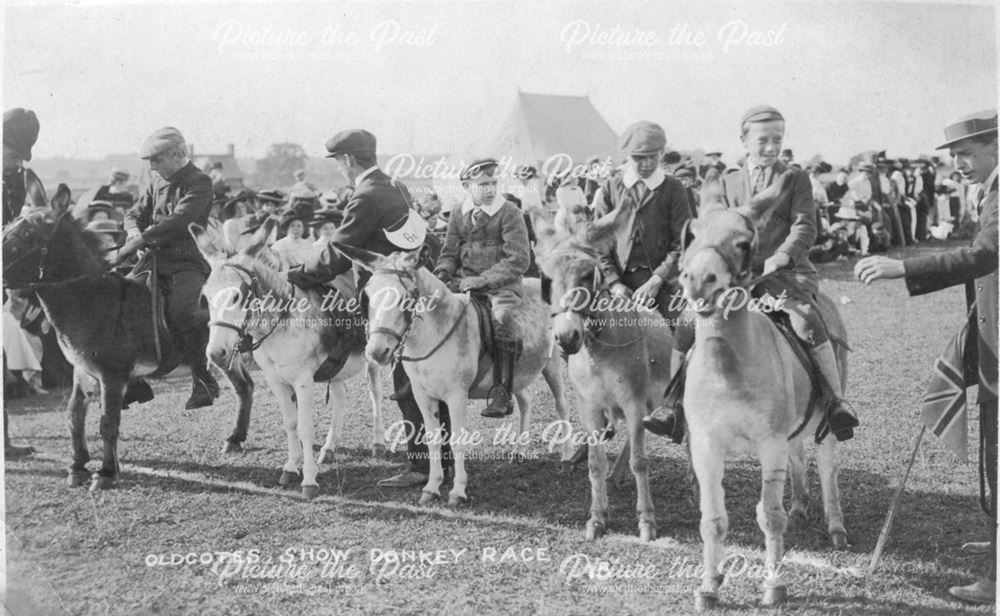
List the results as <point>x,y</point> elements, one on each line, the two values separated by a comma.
<point>377,218</point>
<point>178,195</point>
<point>972,141</point>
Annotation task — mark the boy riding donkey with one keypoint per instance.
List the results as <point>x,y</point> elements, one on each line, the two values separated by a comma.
<point>378,218</point>
<point>785,229</point>
<point>486,252</point>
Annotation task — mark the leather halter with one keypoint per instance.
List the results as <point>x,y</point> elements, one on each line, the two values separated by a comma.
<point>400,337</point>
<point>737,273</point>
<point>591,327</point>
<point>32,234</point>
<point>248,289</point>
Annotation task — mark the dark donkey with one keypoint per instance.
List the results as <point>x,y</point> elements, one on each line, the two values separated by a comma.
<point>103,322</point>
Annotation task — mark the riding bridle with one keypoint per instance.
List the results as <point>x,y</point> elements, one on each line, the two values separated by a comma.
<point>591,324</point>
<point>249,289</point>
<point>22,230</point>
<point>740,275</point>
<point>412,294</point>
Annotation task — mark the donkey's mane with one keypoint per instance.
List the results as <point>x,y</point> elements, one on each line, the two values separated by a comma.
<point>264,266</point>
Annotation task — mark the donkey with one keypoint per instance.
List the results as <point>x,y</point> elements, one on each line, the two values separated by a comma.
<point>619,356</point>
<point>253,307</point>
<point>102,320</point>
<point>746,391</point>
<point>413,313</point>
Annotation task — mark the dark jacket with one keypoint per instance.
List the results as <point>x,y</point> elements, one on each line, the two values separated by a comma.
<point>654,238</point>
<point>378,202</point>
<point>497,249</point>
<point>785,221</point>
<point>975,267</point>
<point>163,213</point>
<point>14,195</point>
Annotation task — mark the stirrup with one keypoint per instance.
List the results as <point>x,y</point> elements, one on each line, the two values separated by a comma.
<point>493,402</point>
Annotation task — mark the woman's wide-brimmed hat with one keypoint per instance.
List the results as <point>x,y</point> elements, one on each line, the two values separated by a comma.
<point>107,226</point>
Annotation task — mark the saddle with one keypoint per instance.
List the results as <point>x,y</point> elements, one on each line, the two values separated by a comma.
<point>146,273</point>
<point>347,333</point>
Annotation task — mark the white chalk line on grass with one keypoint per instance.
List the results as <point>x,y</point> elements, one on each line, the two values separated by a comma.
<point>662,543</point>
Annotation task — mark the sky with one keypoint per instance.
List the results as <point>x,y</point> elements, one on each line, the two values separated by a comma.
<point>429,77</point>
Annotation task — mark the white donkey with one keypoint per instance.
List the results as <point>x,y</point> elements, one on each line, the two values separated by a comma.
<point>437,332</point>
<point>746,391</point>
<point>253,307</point>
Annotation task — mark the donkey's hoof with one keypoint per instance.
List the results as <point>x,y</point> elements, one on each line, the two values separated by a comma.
<point>457,501</point>
<point>310,492</point>
<point>428,498</point>
<point>797,516</point>
<point>379,451</point>
<point>839,539</point>
<point>289,479</point>
<point>595,530</point>
<point>101,482</point>
<point>232,447</point>
<point>774,596</point>
<point>326,457</point>
<point>705,601</point>
<point>77,478</point>
<point>647,531</point>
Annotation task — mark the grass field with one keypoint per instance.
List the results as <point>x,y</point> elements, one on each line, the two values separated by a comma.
<point>518,547</point>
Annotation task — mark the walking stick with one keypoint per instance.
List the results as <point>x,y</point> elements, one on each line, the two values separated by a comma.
<point>884,535</point>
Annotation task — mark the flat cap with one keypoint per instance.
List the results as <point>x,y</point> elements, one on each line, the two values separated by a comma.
<point>480,170</point>
<point>353,141</point>
<point>643,138</point>
<point>760,113</point>
<point>20,131</point>
<point>973,125</point>
<point>162,140</point>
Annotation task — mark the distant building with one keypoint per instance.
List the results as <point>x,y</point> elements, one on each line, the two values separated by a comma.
<point>231,171</point>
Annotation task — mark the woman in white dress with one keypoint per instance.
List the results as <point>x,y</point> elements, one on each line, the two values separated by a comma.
<point>295,248</point>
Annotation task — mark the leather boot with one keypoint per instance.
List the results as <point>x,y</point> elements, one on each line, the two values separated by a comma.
<point>500,399</point>
<point>137,390</point>
<point>668,418</point>
<point>204,387</point>
<point>840,419</point>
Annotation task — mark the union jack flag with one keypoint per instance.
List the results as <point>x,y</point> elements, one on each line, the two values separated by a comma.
<point>943,410</point>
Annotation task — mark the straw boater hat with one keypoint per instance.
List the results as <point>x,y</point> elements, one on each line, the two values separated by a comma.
<point>101,206</point>
<point>107,226</point>
<point>977,124</point>
<point>847,212</point>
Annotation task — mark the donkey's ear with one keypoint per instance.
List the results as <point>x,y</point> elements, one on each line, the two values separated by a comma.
<point>36,197</point>
<point>362,258</point>
<point>260,236</point>
<point>545,233</point>
<point>61,200</point>
<point>604,228</point>
<point>206,244</point>
<point>411,259</point>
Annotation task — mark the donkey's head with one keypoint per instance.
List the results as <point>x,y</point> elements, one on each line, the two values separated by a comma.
<point>570,256</point>
<point>231,286</point>
<point>392,294</point>
<point>719,248</point>
<point>42,228</point>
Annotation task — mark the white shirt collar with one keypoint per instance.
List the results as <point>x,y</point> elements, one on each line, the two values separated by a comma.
<point>988,184</point>
<point>491,209</point>
<point>364,174</point>
<point>630,177</point>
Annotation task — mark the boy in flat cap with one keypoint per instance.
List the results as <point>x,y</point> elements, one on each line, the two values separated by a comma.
<point>377,204</point>
<point>785,231</point>
<point>486,249</point>
<point>972,141</point>
<point>178,194</point>
<point>642,264</point>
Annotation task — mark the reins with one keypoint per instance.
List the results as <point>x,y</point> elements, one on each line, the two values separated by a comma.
<point>43,262</point>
